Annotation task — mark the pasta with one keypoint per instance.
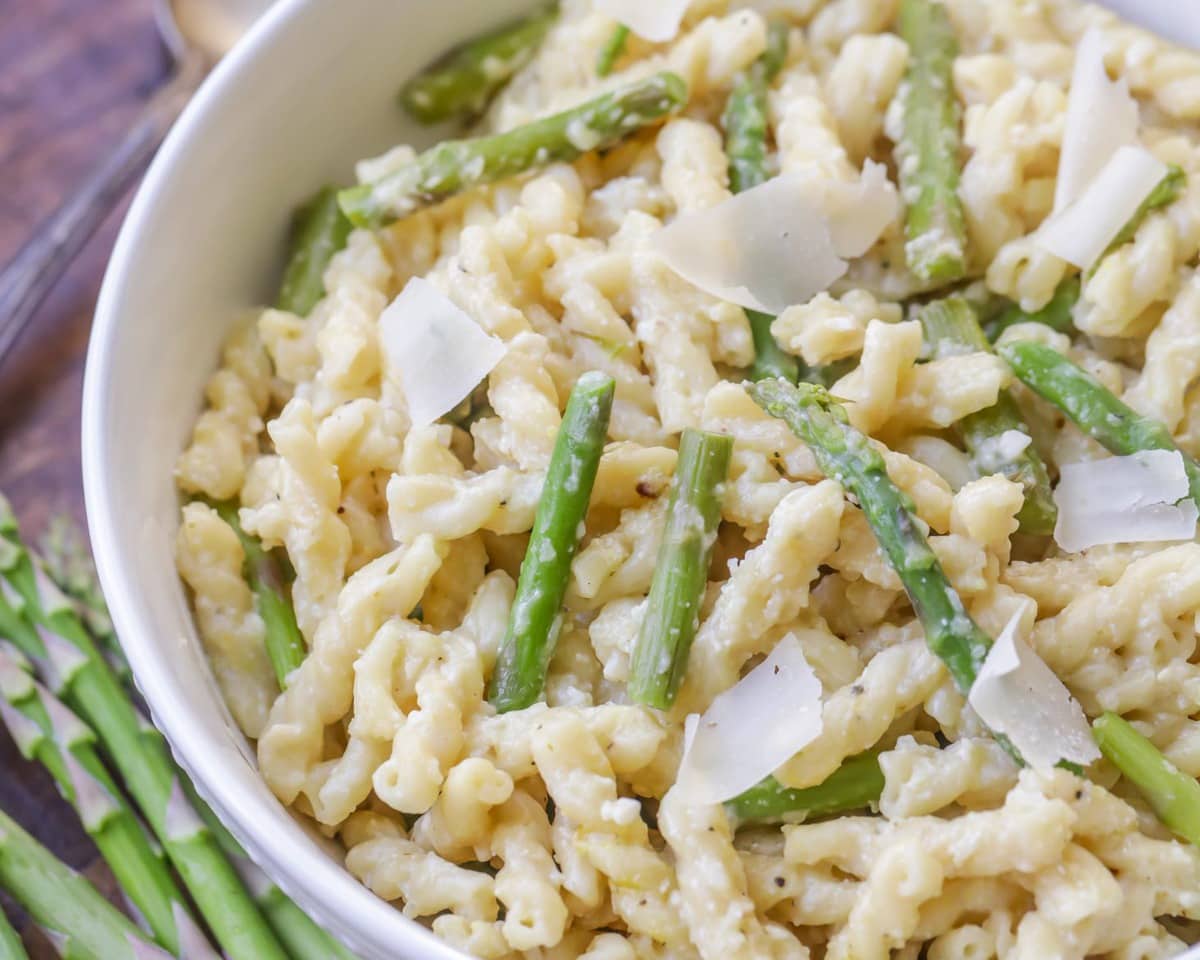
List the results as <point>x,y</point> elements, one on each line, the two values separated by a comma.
<point>566,828</point>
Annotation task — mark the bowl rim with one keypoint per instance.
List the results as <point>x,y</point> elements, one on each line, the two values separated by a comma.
<point>361,919</point>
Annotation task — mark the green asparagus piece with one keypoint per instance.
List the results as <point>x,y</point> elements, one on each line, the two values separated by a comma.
<point>951,328</point>
<point>536,616</point>
<point>83,925</point>
<point>1056,314</point>
<point>45,730</point>
<point>745,123</point>
<point>1165,193</point>
<point>285,643</point>
<point>846,455</point>
<point>613,49</point>
<point>660,655</point>
<point>927,152</point>
<point>460,83</point>
<point>456,165</point>
<point>1174,795</point>
<point>1091,405</point>
<point>10,944</point>
<point>75,670</point>
<point>857,783</point>
<point>319,230</point>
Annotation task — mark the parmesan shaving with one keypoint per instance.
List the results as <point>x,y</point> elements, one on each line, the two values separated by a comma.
<point>782,242</point>
<point>1082,231</point>
<point>1016,694</point>
<point>1141,498</point>
<point>437,352</point>
<point>654,20</point>
<point>1102,117</point>
<point>752,728</point>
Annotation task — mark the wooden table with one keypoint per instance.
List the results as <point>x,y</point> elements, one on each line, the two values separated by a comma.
<point>74,73</point>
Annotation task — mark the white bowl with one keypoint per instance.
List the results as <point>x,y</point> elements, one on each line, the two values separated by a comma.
<point>308,92</point>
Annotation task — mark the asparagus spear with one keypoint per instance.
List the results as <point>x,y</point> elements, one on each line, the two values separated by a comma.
<point>46,731</point>
<point>456,165</point>
<point>1174,795</point>
<point>673,607</point>
<point>68,561</point>
<point>1092,407</point>
<point>745,123</point>
<point>285,643</point>
<point>536,616</point>
<point>612,50</point>
<point>75,670</point>
<point>846,455</point>
<point>1056,314</point>
<point>950,328</point>
<point>1166,192</point>
<point>10,943</point>
<point>82,924</point>
<point>460,83</point>
<point>857,783</point>
<point>319,230</point>
<point>928,147</point>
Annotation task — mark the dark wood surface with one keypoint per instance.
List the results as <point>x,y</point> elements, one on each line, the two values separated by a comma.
<point>72,75</point>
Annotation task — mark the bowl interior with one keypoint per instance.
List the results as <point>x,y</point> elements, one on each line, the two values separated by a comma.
<point>308,92</point>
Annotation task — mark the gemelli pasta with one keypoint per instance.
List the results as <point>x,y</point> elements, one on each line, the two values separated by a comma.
<point>871,474</point>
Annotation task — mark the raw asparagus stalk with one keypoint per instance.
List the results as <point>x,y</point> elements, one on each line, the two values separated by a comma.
<point>846,455</point>
<point>1166,192</point>
<point>83,925</point>
<point>67,559</point>
<point>456,165</point>
<point>45,730</point>
<point>536,617</point>
<point>1173,795</point>
<point>319,230</point>
<point>1056,314</point>
<point>613,49</point>
<point>745,123</point>
<point>285,643</point>
<point>460,84</point>
<point>950,328</point>
<point>10,944</point>
<point>673,606</point>
<point>1091,405</point>
<point>927,151</point>
<point>857,783</point>
<point>73,667</point>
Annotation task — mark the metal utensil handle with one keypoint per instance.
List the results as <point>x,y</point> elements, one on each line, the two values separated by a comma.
<point>32,273</point>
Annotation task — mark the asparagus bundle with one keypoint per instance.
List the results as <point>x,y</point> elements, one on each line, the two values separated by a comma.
<point>1091,405</point>
<point>285,643</point>
<point>302,938</point>
<point>10,943</point>
<point>460,83</point>
<point>45,730</point>
<point>673,607</point>
<point>950,328</point>
<point>456,165</point>
<point>745,123</point>
<point>536,616</point>
<point>928,145</point>
<point>1174,795</point>
<point>81,923</point>
<point>847,456</point>
<point>1056,314</point>
<point>612,50</point>
<point>78,673</point>
<point>857,783</point>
